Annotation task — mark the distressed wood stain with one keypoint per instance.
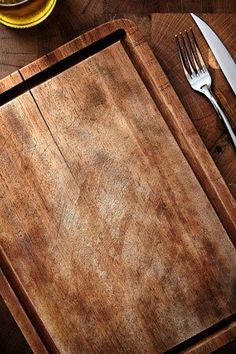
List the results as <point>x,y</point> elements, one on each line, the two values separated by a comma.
<point>115,242</point>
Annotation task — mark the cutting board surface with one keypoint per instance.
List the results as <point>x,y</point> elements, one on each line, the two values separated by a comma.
<point>108,230</point>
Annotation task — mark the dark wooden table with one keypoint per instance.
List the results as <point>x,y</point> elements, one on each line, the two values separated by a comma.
<point>72,17</point>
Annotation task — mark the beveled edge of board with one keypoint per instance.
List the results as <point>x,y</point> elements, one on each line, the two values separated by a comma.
<point>10,81</point>
<point>75,45</point>
<point>19,315</point>
<point>168,104</point>
<point>22,309</point>
<point>216,341</point>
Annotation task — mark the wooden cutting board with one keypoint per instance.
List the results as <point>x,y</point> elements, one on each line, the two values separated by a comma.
<point>116,227</point>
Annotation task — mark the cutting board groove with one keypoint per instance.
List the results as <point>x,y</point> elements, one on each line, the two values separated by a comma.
<point>39,338</point>
<point>60,66</point>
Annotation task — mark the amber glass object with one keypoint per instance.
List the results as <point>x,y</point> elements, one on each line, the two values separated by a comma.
<point>25,13</point>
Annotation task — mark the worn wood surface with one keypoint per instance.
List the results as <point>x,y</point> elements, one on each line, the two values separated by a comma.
<point>106,220</point>
<point>19,48</point>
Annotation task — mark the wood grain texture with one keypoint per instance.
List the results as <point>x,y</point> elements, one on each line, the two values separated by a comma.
<point>218,340</point>
<point>147,6</point>
<point>10,81</point>
<point>20,48</point>
<point>199,109</point>
<point>106,225</point>
<point>172,111</point>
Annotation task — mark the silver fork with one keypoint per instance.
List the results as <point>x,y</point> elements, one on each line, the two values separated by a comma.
<point>197,73</point>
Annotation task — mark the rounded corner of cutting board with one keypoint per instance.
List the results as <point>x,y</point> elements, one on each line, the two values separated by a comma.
<point>123,23</point>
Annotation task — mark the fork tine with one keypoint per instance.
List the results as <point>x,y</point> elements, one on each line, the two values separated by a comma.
<point>192,52</point>
<point>187,56</point>
<point>197,50</point>
<point>181,56</point>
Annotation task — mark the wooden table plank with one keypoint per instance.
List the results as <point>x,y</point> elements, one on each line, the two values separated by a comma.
<point>147,6</point>
<point>199,109</point>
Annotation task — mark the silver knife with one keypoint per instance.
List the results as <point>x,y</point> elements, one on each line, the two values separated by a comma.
<point>220,52</point>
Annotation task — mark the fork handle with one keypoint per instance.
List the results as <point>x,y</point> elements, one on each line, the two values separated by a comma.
<point>208,93</point>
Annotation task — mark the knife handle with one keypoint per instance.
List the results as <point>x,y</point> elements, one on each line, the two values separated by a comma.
<point>208,93</point>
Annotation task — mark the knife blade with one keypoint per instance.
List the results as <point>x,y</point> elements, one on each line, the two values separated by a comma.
<point>220,52</point>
